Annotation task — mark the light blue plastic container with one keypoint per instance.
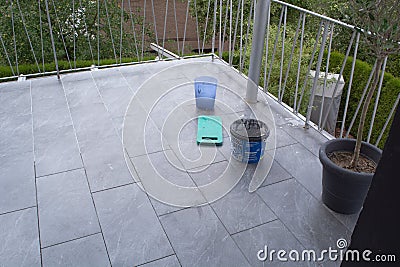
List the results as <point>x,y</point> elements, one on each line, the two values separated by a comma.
<point>205,88</point>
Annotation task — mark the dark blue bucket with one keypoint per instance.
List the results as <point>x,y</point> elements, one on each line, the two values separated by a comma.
<point>248,139</point>
<point>205,88</point>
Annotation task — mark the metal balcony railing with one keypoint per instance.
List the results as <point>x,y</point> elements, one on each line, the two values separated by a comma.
<point>51,37</point>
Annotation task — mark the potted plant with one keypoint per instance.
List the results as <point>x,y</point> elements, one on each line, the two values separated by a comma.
<point>348,164</point>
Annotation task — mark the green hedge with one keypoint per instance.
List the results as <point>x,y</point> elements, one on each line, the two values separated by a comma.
<point>5,71</point>
<point>389,92</point>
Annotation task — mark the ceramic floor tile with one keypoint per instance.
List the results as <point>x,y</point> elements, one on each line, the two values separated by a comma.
<point>142,140</point>
<point>116,98</point>
<point>193,155</point>
<point>273,235</point>
<point>19,238</point>
<point>49,105</point>
<point>302,165</point>
<point>92,122</point>
<point>66,208</point>
<point>283,138</point>
<point>56,150</point>
<point>81,93</point>
<point>310,222</point>
<point>208,173</point>
<point>16,134</point>
<point>166,180</point>
<point>200,239</point>
<point>276,173</point>
<point>86,251</point>
<point>310,138</point>
<point>131,229</point>
<point>17,182</point>
<point>15,99</point>
<point>239,210</point>
<point>105,163</point>
<point>135,77</point>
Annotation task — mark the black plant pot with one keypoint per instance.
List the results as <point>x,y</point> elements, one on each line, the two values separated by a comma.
<point>343,190</point>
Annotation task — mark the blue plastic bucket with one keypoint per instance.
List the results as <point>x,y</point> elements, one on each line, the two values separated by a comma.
<point>205,88</point>
<point>248,139</point>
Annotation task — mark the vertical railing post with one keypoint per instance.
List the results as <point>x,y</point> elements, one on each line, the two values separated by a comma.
<point>52,39</point>
<point>353,65</point>
<point>220,30</point>
<point>317,72</point>
<point>214,29</point>
<point>260,25</point>
<point>14,40</point>
<point>378,94</point>
<point>6,54</point>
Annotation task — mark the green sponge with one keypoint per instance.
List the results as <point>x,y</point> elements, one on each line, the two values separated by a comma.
<point>209,130</point>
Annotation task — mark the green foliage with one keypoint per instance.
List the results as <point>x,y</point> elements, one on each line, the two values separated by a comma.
<point>77,33</point>
<point>25,69</point>
<point>390,88</point>
<point>389,92</point>
<point>380,23</point>
<point>199,8</point>
<point>393,65</point>
<point>364,14</point>
<point>274,82</point>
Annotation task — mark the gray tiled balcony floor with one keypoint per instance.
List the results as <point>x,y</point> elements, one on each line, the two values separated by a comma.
<point>67,196</point>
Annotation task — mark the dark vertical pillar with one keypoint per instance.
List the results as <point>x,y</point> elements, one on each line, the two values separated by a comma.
<point>378,227</point>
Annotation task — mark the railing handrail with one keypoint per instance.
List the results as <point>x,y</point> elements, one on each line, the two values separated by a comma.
<point>316,14</point>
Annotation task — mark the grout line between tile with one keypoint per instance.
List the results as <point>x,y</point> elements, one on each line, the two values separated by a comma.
<point>83,164</point>
<point>147,153</point>
<point>162,227</point>
<point>142,264</point>
<point>299,142</point>
<point>283,223</point>
<point>291,175</point>
<point>97,215</point>
<point>72,121</point>
<point>243,254</point>
<point>208,164</point>
<point>322,204</point>
<point>312,197</point>
<point>173,211</point>
<point>255,226</point>
<point>12,211</point>
<point>288,178</point>
<point>104,104</point>
<point>38,221</point>
<point>70,240</point>
<point>114,187</point>
<point>219,219</point>
<point>46,175</point>
<point>34,174</point>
